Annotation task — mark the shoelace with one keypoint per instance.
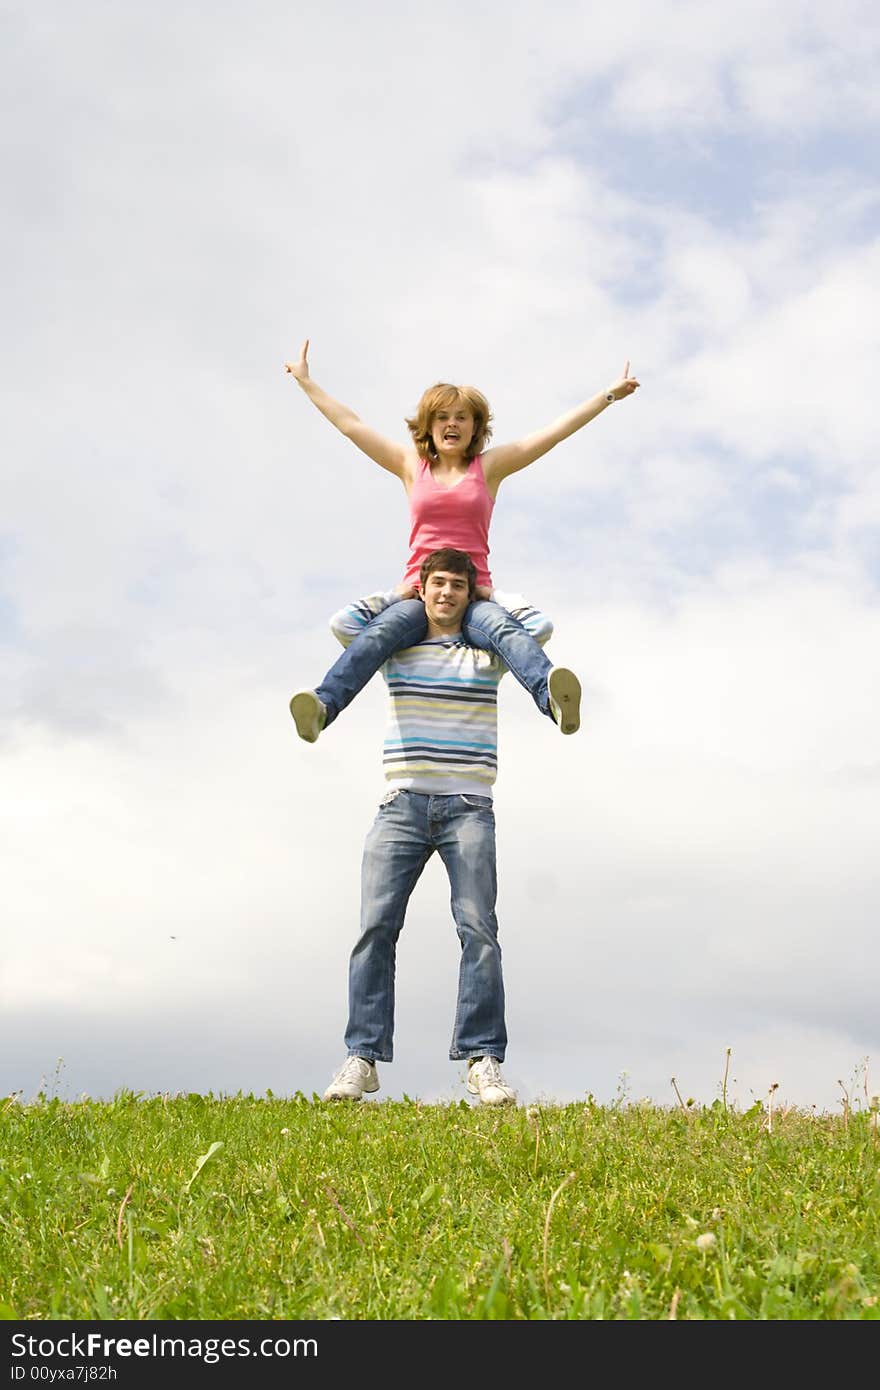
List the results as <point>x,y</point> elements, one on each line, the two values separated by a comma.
<point>350,1070</point>
<point>489,1070</point>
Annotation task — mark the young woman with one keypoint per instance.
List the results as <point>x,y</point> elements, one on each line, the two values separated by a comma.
<point>451,479</point>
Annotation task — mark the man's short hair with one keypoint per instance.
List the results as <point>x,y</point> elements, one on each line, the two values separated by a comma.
<point>454,562</point>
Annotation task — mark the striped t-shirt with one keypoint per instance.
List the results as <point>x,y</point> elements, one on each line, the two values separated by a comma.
<point>442,730</point>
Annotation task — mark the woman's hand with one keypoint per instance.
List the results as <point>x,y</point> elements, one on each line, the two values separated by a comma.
<point>503,459</point>
<point>406,590</point>
<point>300,369</point>
<point>393,457</point>
<point>482,591</point>
<point>624,386</point>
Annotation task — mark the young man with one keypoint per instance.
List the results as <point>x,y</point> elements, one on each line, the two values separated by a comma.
<point>440,761</point>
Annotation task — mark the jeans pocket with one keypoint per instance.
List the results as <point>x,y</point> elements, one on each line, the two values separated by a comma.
<point>390,796</point>
<point>476,803</point>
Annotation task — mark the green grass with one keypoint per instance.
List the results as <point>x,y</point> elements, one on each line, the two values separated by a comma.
<point>251,1207</point>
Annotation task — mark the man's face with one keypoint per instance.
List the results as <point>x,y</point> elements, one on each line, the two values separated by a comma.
<point>446,598</point>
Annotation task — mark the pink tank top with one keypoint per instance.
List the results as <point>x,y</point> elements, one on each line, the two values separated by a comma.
<point>450,516</point>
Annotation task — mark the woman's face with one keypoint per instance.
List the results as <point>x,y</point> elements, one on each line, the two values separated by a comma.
<point>452,430</point>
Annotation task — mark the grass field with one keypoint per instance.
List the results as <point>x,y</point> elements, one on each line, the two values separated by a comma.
<point>258,1207</point>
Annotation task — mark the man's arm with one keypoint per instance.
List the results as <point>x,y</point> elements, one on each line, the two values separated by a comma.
<point>536,623</point>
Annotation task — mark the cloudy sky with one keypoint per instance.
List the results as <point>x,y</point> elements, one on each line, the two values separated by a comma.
<point>521,196</point>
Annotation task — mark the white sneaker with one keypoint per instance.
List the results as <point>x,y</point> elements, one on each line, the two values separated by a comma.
<point>565,699</point>
<point>355,1076</point>
<point>309,714</point>
<point>484,1079</point>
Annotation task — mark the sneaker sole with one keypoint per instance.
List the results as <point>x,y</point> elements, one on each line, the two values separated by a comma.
<point>305,708</point>
<point>565,693</point>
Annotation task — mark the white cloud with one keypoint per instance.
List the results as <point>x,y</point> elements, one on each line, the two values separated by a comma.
<point>756,68</point>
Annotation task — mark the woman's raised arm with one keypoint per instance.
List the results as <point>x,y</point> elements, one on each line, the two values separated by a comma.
<point>504,459</point>
<point>381,450</point>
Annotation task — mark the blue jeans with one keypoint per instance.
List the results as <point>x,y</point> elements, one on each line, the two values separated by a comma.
<point>485,625</point>
<point>408,827</point>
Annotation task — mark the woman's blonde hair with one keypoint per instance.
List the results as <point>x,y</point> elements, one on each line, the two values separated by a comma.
<point>441,397</point>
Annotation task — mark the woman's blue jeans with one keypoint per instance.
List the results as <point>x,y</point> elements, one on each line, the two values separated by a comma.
<point>485,625</point>
<point>408,828</point>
